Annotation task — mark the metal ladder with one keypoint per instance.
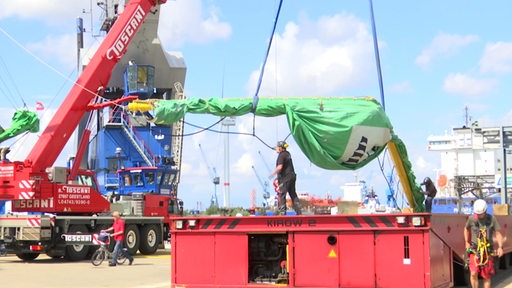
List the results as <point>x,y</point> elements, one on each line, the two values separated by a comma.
<point>139,145</point>
<point>177,134</point>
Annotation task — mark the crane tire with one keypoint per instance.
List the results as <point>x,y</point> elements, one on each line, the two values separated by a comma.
<point>150,238</point>
<point>132,239</point>
<point>77,252</point>
<point>27,256</point>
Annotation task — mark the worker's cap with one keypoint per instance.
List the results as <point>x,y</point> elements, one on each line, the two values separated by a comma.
<point>426,181</point>
<point>282,144</point>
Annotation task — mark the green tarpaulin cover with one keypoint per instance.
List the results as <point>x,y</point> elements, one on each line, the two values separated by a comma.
<point>23,120</point>
<point>335,133</point>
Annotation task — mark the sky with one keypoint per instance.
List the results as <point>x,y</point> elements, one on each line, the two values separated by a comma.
<point>442,62</point>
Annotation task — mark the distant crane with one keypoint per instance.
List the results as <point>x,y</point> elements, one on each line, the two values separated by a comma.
<point>215,179</point>
<point>264,185</point>
<point>266,165</point>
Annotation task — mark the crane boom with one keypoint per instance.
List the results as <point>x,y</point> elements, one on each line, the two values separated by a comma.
<point>211,170</point>
<point>264,185</point>
<point>265,162</point>
<point>90,83</point>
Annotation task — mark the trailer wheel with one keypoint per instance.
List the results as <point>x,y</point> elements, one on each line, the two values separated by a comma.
<point>150,238</point>
<point>132,239</point>
<point>27,256</point>
<point>77,252</point>
<point>54,255</point>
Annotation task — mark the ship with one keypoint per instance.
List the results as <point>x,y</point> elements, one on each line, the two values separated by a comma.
<point>474,164</point>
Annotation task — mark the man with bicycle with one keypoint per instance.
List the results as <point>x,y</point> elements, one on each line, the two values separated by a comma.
<point>118,228</point>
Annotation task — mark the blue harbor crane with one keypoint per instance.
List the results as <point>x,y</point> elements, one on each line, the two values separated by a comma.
<point>213,175</point>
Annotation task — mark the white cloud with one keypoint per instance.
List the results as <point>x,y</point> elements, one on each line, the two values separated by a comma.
<point>186,21</point>
<point>466,85</point>
<point>497,58</point>
<point>59,47</point>
<point>52,12</point>
<point>490,119</point>
<point>53,35</point>
<point>317,58</point>
<point>314,58</point>
<point>243,164</point>
<point>420,162</point>
<point>443,45</point>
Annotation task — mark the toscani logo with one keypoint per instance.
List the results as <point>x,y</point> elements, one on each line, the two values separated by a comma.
<point>128,31</point>
<point>77,238</point>
<point>33,203</point>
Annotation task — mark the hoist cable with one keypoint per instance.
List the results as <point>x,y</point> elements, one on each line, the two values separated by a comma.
<point>256,97</point>
<point>377,57</point>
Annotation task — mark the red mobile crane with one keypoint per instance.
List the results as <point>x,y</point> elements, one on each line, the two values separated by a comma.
<point>58,210</point>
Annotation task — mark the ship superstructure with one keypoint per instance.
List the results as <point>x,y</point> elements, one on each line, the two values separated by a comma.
<point>474,161</point>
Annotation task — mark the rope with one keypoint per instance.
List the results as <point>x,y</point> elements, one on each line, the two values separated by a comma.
<point>256,98</point>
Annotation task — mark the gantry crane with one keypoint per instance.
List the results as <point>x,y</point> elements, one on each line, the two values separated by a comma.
<point>264,162</point>
<point>215,179</point>
<point>264,185</point>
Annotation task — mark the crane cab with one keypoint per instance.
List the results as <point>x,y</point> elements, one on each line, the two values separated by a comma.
<point>155,180</point>
<point>139,80</point>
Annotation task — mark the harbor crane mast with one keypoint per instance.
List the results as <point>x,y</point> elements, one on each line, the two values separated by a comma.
<point>264,185</point>
<point>215,179</point>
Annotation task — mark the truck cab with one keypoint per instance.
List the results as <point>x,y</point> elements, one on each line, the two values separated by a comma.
<point>159,180</point>
<point>156,186</point>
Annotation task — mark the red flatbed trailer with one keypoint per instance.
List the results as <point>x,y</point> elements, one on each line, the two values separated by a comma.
<point>352,250</point>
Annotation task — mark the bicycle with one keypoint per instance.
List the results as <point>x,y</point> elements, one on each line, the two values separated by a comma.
<point>104,253</point>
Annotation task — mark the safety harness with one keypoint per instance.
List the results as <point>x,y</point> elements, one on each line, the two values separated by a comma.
<point>482,248</point>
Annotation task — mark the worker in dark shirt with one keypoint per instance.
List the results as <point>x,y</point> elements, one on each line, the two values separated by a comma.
<point>430,191</point>
<point>286,178</point>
